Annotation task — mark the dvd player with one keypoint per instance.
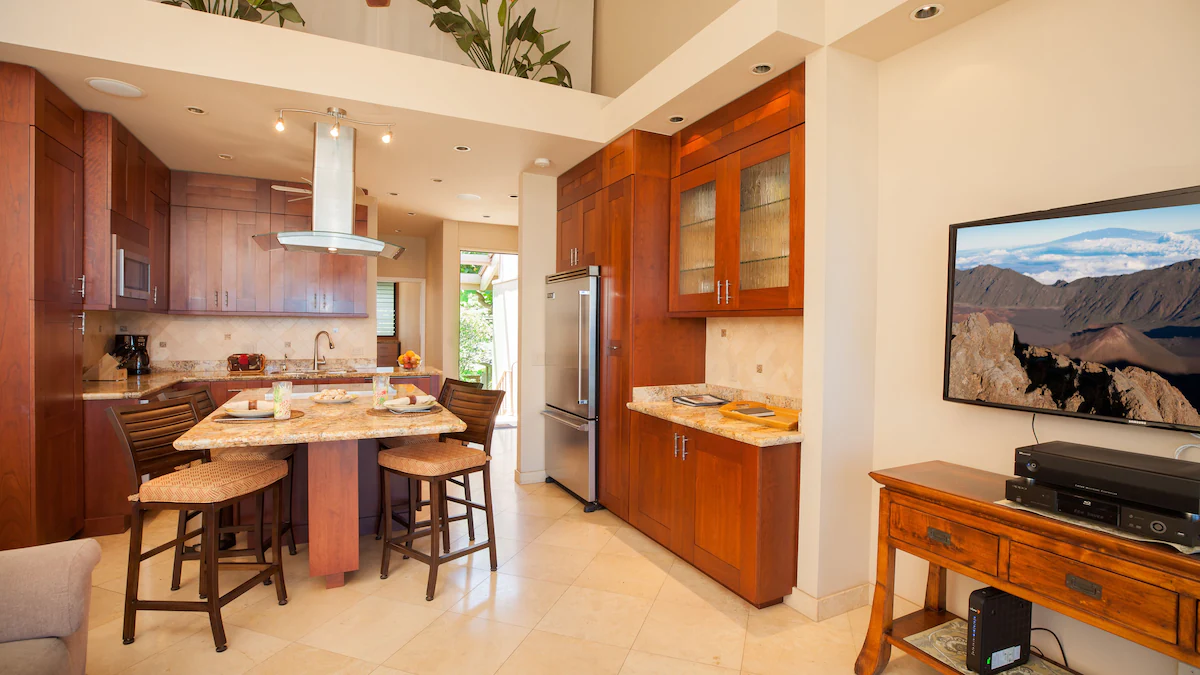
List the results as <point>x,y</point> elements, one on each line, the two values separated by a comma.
<point>1154,497</point>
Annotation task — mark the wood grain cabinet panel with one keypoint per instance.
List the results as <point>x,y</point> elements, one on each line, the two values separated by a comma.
<point>58,421</point>
<point>58,221</point>
<point>953,541</point>
<point>570,237</point>
<point>160,254</point>
<point>580,181</point>
<point>1120,599</point>
<point>729,508</point>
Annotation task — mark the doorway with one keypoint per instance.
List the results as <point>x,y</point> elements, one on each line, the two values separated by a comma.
<point>399,318</point>
<point>487,343</point>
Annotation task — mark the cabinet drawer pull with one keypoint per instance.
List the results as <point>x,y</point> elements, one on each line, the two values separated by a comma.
<point>1088,588</point>
<point>940,536</point>
<point>685,440</point>
<point>718,292</point>
<point>676,445</point>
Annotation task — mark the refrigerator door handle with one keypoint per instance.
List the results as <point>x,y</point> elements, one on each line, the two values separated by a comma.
<point>562,420</point>
<point>584,296</point>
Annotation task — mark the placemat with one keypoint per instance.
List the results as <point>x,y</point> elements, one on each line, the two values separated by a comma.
<point>388,413</point>
<point>226,418</point>
<point>948,643</point>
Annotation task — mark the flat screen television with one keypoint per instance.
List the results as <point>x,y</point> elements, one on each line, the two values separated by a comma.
<point>1089,311</point>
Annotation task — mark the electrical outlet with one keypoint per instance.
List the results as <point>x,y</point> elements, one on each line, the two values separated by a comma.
<point>228,336</point>
<point>758,368</point>
<point>1185,669</point>
<point>123,329</point>
<point>161,344</point>
<point>723,333</point>
<point>287,345</point>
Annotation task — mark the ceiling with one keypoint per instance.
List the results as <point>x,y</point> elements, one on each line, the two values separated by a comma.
<point>240,121</point>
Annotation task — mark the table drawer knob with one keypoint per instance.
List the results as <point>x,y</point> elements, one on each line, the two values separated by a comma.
<point>940,536</point>
<point>1088,588</point>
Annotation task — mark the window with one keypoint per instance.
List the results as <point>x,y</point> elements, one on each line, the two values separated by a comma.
<point>385,309</point>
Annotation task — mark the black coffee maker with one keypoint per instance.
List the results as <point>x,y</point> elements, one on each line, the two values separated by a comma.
<point>131,353</point>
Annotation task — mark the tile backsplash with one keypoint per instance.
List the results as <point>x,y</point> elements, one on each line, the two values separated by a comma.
<point>737,346</point>
<point>207,338</point>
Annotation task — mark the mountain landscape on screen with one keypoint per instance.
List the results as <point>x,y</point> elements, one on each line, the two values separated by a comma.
<point>1093,314</point>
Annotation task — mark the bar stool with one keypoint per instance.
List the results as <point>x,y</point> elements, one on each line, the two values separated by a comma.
<point>437,462</point>
<point>204,404</point>
<point>148,432</point>
<point>415,502</point>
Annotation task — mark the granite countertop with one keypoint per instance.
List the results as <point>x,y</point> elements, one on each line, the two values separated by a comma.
<point>321,423</point>
<point>147,385</point>
<point>656,402</point>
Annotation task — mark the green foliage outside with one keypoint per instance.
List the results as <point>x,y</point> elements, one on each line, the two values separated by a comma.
<point>475,332</point>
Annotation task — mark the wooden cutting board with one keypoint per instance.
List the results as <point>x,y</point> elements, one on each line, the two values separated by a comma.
<point>785,419</point>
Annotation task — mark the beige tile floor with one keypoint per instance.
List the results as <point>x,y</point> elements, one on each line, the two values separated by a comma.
<point>575,593</point>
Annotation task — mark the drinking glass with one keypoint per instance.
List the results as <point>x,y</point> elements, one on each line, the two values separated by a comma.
<point>281,392</point>
<point>379,391</point>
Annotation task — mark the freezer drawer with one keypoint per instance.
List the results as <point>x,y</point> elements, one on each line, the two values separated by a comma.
<point>571,452</point>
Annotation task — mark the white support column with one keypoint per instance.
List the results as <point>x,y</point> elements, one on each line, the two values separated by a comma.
<point>538,234</point>
<point>841,178</point>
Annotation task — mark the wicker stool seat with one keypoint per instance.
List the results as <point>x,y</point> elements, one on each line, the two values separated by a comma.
<point>212,482</point>
<point>253,454</point>
<point>431,458</point>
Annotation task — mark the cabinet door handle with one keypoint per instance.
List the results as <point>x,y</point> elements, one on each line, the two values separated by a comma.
<point>217,298</point>
<point>315,302</point>
<point>685,440</point>
<point>83,286</point>
<point>155,302</point>
<point>676,445</point>
<point>718,292</point>
<point>940,536</point>
<point>727,291</point>
<point>226,298</point>
<point>324,304</point>
<point>82,323</point>
<point>1081,585</point>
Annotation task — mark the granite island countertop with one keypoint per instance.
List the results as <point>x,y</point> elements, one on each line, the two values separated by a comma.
<point>141,386</point>
<point>656,402</point>
<point>321,423</point>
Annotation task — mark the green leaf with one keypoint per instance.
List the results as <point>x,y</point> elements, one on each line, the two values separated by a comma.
<point>480,26</point>
<point>549,56</point>
<point>502,13</point>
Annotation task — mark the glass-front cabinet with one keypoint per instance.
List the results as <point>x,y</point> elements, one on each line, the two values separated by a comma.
<point>738,231</point>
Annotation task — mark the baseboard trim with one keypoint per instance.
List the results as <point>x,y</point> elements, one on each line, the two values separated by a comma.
<point>529,477</point>
<point>834,604</point>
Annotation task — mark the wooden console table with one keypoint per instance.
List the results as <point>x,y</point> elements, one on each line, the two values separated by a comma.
<point>945,514</point>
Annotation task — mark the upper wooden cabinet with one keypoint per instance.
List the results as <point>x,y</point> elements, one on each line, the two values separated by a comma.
<point>579,182</point>
<point>216,266</point>
<point>124,180</point>
<point>581,234</point>
<point>737,221</point>
<point>32,100</point>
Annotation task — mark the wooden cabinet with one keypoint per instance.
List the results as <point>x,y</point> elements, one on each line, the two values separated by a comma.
<point>218,267</point>
<point>737,231</point>
<point>737,206</point>
<point>41,187</point>
<point>127,188</point>
<point>580,181</point>
<point>729,508</point>
<point>581,234</point>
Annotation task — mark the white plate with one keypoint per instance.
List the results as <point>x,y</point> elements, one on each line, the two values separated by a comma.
<point>247,413</point>
<point>352,399</point>
<point>419,407</point>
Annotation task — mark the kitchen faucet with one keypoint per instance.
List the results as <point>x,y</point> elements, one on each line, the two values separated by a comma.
<point>319,361</point>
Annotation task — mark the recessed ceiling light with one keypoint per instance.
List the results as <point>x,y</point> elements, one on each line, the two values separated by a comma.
<point>412,213</point>
<point>196,110</point>
<point>436,180</point>
<point>486,216</point>
<point>925,12</point>
<point>467,197</point>
<point>462,148</point>
<point>225,156</point>
<point>761,68</point>
<point>541,162</point>
<point>676,119</point>
<point>514,196</point>
<point>115,87</point>
<point>394,194</point>
<point>396,231</point>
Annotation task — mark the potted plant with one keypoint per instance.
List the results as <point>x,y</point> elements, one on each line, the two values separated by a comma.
<point>250,10</point>
<point>516,35</point>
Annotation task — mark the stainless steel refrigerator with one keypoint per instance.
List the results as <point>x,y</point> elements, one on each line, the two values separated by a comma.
<point>572,334</point>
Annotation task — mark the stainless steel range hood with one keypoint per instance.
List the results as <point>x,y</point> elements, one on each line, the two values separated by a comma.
<point>333,204</point>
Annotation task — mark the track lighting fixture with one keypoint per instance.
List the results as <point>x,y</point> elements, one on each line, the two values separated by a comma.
<point>338,115</point>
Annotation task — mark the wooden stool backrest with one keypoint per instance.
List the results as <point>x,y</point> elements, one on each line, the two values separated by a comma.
<point>478,408</point>
<point>451,383</point>
<point>148,432</point>
<point>201,398</point>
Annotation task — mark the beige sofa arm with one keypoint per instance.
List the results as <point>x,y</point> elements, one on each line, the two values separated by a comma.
<point>45,590</point>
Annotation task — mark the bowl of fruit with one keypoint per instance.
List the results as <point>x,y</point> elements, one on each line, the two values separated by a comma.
<point>409,360</point>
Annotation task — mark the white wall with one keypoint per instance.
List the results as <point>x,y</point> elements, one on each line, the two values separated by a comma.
<point>1033,105</point>
<point>404,27</point>
<point>538,232</point>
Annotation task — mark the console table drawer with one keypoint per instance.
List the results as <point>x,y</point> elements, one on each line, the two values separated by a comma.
<point>1131,603</point>
<point>960,543</point>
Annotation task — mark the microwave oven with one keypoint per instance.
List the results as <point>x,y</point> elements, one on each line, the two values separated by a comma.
<point>131,273</point>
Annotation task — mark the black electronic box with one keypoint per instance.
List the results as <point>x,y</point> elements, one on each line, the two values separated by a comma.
<point>998,628</point>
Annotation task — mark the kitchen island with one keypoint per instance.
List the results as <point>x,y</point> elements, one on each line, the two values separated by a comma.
<point>336,436</point>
